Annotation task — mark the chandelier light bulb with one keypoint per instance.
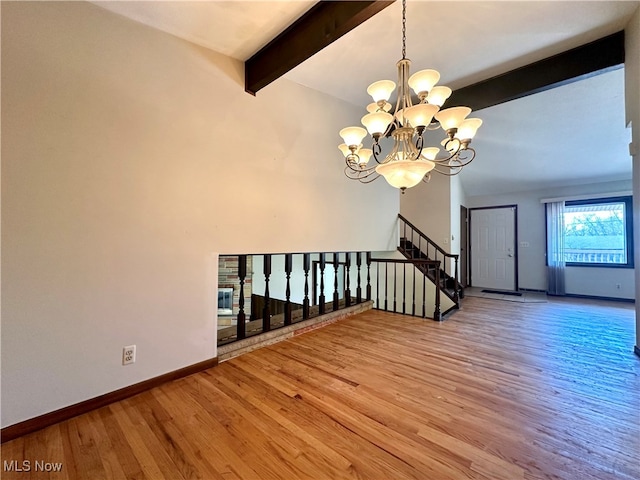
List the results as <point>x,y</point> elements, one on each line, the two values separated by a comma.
<point>423,81</point>
<point>420,115</point>
<point>377,122</point>
<point>365,155</point>
<point>438,95</point>
<point>452,117</point>
<point>467,129</point>
<point>381,90</point>
<point>344,149</point>
<point>353,135</point>
<point>430,153</point>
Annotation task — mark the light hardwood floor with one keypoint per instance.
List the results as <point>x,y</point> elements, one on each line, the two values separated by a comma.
<point>499,391</point>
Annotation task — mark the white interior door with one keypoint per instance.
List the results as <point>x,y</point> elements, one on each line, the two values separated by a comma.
<point>493,258</point>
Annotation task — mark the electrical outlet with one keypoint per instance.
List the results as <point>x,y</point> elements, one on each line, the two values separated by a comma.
<point>129,355</point>
<point>618,286</point>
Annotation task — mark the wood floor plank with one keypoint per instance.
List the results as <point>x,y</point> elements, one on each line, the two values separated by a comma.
<point>499,391</point>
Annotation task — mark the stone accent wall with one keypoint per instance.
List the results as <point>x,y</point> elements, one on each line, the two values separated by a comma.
<point>228,278</point>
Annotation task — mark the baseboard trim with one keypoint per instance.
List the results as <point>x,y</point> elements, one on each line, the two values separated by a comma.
<point>636,350</point>
<point>33,424</point>
<point>594,297</point>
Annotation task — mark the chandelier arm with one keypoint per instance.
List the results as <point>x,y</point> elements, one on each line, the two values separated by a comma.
<point>362,176</point>
<point>466,156</point>
<point>419,145</point>
<point>449,173</point>
<point>369,180</point>
<point>356,174</point>
<point>377,150</point>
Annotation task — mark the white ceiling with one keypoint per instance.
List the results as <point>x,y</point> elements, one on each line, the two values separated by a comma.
<point>568,135</point>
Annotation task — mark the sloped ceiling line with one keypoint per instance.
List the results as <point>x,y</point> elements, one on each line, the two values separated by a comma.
<point>576,64</point>
<point>324,23</point>
<point>327,21</point>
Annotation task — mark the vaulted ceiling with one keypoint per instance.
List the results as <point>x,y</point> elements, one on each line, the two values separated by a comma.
<point>571,134</point>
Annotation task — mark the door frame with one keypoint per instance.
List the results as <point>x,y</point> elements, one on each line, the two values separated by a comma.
<point>464,248</point>
<point>515,240</point>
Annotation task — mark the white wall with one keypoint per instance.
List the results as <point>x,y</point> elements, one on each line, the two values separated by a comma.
<point>632,103</point>
<point>428,207</point>
<point>130,158</point>
<point>458,198</point>
<point>531,229</point>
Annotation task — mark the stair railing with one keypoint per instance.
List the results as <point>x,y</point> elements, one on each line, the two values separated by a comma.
<point>272,291</point>
<point>414,244</point>
<point>406,299</point>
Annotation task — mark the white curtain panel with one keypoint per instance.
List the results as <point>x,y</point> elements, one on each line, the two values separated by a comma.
<point>555,248</point>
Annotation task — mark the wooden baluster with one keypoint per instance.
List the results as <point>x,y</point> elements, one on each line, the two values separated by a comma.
<point>305,303</point>
<point>395,282</point>
<point>378,285</point>
<point>347,292</point>
<point>404,288</point>
<point>424,292</point>
<point>321,299</point>
<point>413,304</point>
<point>436,313</point>
<point>359,288</point>
<point>336,295</point>
<point>413,245</point>
<point>266,311</point>
<point>369,276</point>
<point>386,276</point>
<point>288,262</point>
<point>456,285</point>
<point>404,236</point>
<point>242,274</point>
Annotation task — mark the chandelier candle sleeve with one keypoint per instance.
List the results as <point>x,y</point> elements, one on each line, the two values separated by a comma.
<point>409,161</point>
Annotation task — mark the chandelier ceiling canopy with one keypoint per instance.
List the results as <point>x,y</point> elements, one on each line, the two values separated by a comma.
<point>409,161</point>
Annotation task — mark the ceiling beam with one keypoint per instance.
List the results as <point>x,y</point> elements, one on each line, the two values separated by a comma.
<point>324,23</point>
<point>575,64</point>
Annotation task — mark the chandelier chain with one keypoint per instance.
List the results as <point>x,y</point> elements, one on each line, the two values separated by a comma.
<point>404,29</point>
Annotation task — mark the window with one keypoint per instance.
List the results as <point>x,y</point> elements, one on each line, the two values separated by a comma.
<point>225,301</point>
<point>599,232</point>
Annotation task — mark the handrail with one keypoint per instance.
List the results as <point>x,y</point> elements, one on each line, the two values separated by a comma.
<point>437,315</point>
<point>273,291</point>
<point>285,286</point>
<point>455,296</point>
<point>417,230</point>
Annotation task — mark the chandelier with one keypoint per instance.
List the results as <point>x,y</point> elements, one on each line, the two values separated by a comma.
<point>409,161</point>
